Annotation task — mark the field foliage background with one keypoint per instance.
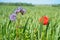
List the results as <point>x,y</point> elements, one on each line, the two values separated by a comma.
<point>29,23</point>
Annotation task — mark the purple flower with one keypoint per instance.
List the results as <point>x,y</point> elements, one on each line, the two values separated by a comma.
<point>23,11</point>
<point>12,16</point>
<point>18,10</point>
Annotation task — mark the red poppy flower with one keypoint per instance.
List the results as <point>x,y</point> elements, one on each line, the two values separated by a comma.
<point>44,20</point>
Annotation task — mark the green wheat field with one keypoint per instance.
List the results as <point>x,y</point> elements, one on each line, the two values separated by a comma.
<point>27,26</point>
